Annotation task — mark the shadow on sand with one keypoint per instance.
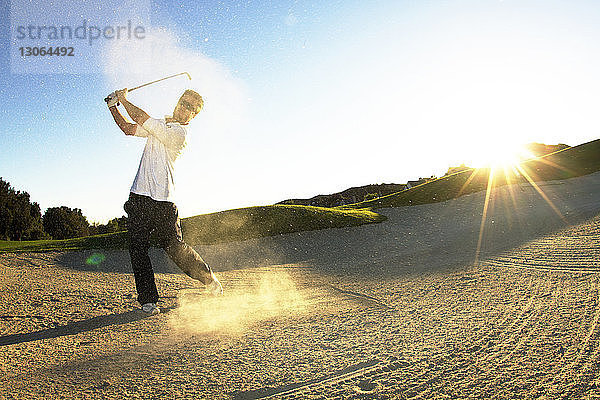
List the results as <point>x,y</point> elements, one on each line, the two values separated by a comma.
<point>112,261</point>
<point>74,328</point>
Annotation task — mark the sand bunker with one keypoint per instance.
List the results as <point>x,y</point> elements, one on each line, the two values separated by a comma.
<point>394,310</point>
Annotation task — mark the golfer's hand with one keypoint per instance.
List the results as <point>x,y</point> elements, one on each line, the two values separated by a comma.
<point>112,100</point>
<point>121,94</point>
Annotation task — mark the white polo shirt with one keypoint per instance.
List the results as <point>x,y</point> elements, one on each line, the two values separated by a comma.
<point>164,144</point>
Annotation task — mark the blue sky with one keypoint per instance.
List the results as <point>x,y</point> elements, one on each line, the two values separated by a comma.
<point>307,97</point>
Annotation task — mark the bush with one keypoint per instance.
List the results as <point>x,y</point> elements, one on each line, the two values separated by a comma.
<point>112,226</point>
<point>370,196</point>
<point>65,223</point>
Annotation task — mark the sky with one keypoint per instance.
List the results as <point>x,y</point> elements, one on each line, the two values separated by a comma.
<point>301,97</point>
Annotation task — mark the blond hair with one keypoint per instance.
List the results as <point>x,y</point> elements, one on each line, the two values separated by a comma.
<point>193,99</point>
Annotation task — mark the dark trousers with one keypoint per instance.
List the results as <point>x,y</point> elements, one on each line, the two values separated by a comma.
<point>145,216</point>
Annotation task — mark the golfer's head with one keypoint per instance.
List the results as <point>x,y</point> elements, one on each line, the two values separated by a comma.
<point>189,105</point>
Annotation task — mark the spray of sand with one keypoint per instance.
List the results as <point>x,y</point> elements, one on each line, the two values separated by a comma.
<point>273,294</point>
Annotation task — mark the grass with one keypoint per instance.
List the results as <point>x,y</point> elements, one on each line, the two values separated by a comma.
<point>568,163</point>
<point>107,241</point>
<point>225,226</point>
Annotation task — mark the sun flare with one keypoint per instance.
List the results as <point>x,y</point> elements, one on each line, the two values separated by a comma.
<point>508,164</point>
<point>498,154</point>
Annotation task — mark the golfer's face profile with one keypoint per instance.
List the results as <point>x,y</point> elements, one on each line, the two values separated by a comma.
<point>184,111</point>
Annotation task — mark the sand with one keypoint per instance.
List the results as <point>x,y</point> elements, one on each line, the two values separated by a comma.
<point>394,310</point>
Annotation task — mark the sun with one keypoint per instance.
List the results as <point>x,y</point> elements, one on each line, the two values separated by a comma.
<point>497,154</point>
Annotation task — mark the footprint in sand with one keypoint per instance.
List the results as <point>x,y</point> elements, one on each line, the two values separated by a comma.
<point>365,387</point>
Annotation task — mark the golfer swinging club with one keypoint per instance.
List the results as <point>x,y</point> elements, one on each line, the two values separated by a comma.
<point>150,207</point>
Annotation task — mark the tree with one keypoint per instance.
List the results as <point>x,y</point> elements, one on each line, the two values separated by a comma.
<point>5,213</point>
<point>64,223</point>
<point>114,225</point>
<point>19,218</point>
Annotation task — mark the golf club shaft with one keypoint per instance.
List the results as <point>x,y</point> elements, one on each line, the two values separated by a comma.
<point>161,79</point>
<point>158,80</point>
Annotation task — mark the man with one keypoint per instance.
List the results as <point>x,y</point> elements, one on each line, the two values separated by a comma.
<point>150,207</point>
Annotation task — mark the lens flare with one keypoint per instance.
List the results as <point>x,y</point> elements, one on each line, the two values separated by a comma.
<point>95,259</point>
<point>508,169</point>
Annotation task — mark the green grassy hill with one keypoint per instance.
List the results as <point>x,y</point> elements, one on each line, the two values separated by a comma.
<point>253,222</point>
<point>225,226</point>
<point>568,163</point>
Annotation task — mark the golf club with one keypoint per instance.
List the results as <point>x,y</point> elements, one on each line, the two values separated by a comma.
<point>153,82</point>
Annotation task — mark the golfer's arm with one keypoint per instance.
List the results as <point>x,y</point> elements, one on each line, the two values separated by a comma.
<point>138,115</point>
<point>127,127</point>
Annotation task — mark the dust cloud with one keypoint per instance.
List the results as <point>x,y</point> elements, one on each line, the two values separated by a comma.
<point>272,295</point>
<point>163,53</point>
